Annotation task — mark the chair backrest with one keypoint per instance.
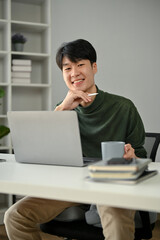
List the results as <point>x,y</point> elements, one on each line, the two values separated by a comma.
<point>152,141</point>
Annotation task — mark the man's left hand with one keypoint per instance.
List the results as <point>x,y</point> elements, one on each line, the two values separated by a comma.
<point>129,152</point>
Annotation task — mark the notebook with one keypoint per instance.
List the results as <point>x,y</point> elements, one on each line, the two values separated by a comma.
<point>47,137</point>
<point>119,172</point>
<point>144,176</point>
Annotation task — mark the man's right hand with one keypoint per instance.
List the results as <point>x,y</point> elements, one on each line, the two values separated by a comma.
<point>73,99</point>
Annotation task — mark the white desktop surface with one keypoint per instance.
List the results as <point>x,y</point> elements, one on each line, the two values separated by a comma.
<point>69,183</point>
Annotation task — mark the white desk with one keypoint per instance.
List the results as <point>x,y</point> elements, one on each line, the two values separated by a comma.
<point>69,183</point>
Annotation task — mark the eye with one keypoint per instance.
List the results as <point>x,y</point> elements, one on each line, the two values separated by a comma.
<point>67,69</point>
<point>80,65</point>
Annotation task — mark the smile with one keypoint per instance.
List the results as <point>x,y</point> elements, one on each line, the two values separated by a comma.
<point>78,81</point>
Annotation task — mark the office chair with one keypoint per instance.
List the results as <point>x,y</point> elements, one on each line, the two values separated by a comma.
<point>75,225</point>
<point>151,145</point>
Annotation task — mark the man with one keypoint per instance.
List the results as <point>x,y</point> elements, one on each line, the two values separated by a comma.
<point>102,117</point>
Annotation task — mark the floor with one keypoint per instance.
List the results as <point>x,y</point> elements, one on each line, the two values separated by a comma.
<point>3,236</point>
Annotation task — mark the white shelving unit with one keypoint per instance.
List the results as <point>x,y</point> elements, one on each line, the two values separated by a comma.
<point>5,202</point>
<point>32,18</point>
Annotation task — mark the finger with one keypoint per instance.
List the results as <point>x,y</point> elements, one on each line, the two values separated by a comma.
<point>127,147</point>
<point>129,152</point>
<point>82,96</point>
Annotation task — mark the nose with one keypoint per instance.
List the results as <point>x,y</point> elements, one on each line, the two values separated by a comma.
<point>75,71</point>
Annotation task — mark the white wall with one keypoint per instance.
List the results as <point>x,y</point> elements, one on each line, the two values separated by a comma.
<point>126,35</point>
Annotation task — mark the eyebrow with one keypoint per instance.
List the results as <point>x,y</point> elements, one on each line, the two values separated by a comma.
<point>65,64</point>
<point>68,64</point>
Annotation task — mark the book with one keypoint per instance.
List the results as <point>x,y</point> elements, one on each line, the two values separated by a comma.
<point>21,74</point>
<point>135,165</point>
<point>21,80</point>
<point>22,68</point>
<point>144,176</point>
<point>112,175</point>
<point>23,62</point>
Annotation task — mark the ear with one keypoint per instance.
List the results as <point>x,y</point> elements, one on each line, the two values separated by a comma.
<point>94,66</point>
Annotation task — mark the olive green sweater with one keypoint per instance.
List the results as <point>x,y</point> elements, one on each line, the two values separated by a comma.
<point>110,118</point>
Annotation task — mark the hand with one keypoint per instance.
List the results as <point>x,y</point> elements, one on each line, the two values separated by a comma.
<point>129,152</point>
<point>73,99</point>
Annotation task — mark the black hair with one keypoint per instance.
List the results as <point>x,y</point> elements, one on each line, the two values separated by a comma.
<point>76,51</point>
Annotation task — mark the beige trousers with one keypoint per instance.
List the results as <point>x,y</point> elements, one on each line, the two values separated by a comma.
<point>117,223</point>
<point>22,219</point>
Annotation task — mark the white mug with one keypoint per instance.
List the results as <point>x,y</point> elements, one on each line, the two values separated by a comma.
<point>112,149</point>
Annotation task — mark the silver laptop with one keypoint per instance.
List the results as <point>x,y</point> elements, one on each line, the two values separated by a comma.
<point>46,137</point>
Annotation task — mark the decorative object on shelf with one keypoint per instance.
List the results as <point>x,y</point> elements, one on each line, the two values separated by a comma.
<point>18,41</point>
<point>3,129</point>
<point>21,71</point>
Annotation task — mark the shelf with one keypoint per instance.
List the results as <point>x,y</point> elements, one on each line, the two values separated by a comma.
<point>31,18</point>
<point>30,99</point>
<point>3,35</point>
<point>3,209</point>
<point>3,54</point>
<point>3,9</point>
<point>31,85</point>
<point>30,55</point>
<point>4,148</point>
<point>3,119</point>
<point>3,23</point>
<point>28,26</point>
<point>7,202</point>
<point>2,84</point>
<point>3,116</point>
<point>36,41</point>
<point>4,204</point>
<point>2,212</point>
<point>35,10</point>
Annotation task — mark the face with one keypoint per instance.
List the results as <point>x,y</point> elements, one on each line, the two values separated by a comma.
<point>79,75</point>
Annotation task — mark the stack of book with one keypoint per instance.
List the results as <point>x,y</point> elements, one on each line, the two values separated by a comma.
<point>121,171</point>
<point>21,71</point>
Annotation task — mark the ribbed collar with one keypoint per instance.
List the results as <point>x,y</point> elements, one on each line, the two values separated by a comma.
<point>94,105</point>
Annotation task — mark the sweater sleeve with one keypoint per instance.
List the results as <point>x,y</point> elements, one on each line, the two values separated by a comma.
<point>136,132</point>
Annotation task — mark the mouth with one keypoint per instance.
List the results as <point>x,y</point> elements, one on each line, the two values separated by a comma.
<point>78,81</point>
